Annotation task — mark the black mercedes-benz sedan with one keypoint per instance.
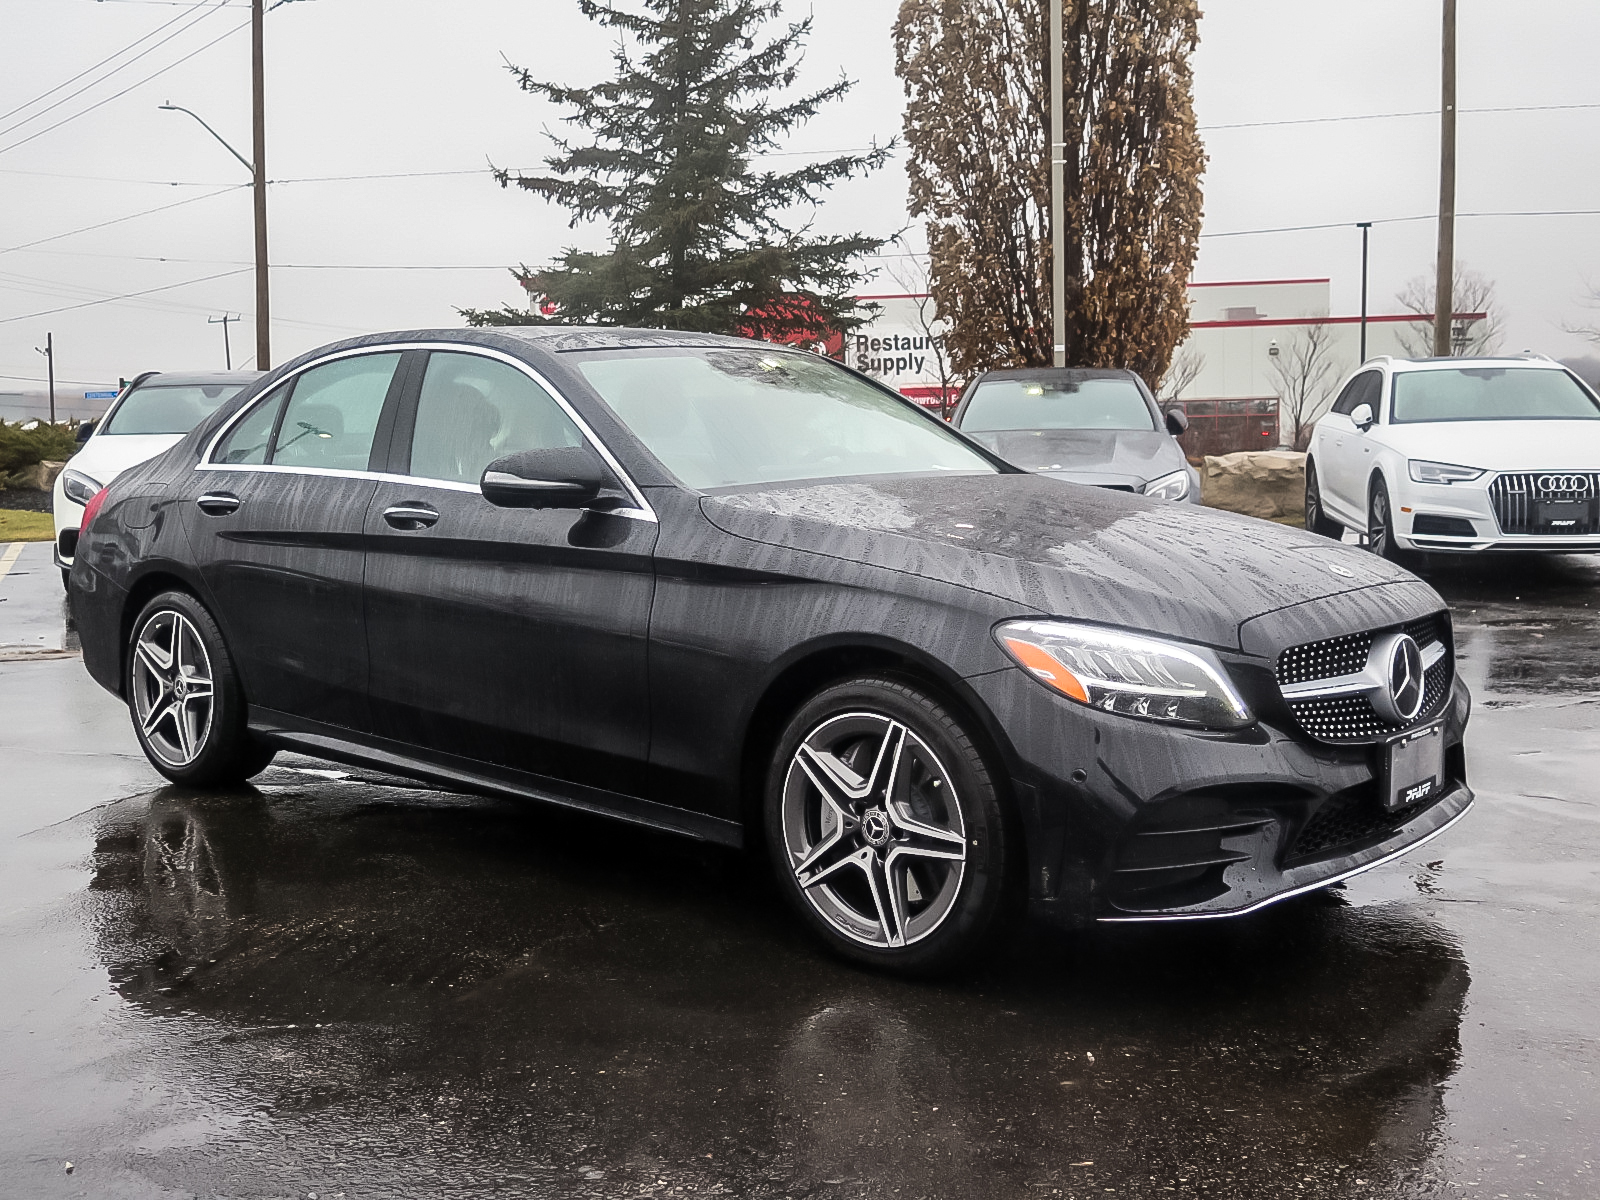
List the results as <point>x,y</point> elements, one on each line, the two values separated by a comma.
<point>741,593</point>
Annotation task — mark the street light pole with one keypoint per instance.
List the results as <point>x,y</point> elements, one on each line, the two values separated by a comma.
<point>49,352</point>
<point>1058,187</point>
<point>227,351</point>
<point>258,128</point>
<point>1444,289</point>
<point>1366,229</point>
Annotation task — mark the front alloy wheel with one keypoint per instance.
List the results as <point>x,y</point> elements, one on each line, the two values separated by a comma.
<point>886,827</point>
<point>1380,525</point>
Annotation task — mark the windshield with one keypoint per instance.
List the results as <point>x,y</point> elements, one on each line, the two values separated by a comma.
<point>1063,403</point>
<point>721,418</point>
<point>167,408</point>
<point>1491,394</point>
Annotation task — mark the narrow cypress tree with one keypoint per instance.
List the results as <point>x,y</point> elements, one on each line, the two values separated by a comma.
<point>700,237</point>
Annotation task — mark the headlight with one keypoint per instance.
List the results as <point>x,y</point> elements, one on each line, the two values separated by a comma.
<point>1126,673</point>
<point>1169,487</point>
<point>79,488</point>
<point>1432,472</point>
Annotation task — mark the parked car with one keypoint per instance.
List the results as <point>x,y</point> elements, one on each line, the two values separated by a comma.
<point>740,593</point>
<point>152,414</point>
<point>1099,427</point>
<point>1459,454</point>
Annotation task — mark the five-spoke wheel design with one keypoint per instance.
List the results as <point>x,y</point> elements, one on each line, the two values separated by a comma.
<point>172,688</point>
<point>873,829</point>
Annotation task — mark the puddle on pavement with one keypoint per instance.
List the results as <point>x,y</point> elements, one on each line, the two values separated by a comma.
<point>401,977</point>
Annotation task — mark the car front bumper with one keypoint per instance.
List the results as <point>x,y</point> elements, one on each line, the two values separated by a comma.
<point>1470,503</point>
<point>1129,820</point>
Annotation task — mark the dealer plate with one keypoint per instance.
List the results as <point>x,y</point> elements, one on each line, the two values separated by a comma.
<point>1414,767</point>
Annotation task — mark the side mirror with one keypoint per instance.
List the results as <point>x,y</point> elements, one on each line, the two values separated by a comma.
<point>561,477</point>
<point>85,430</point>
<point>1362,416</point>
<point>1177,421</point>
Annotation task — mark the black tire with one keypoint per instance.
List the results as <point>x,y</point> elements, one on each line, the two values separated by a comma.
<point>902,850</point>
<point>192,734</point>
<point>66,579</point>
<point>1317,519</point>
<point>1380,525</point>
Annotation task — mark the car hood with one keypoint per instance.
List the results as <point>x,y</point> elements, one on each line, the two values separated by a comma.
<point>1102,457</point>
<point>104,458</point>
<point>1501,445</point>
<point>1061,548</point>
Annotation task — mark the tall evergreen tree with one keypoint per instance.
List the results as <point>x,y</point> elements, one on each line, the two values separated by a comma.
<point>700,237</point>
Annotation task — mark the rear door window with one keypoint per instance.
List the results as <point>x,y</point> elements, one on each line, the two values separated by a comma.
<point>333,414</point>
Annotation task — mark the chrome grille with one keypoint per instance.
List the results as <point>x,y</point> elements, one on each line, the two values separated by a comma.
<point>1351,720</point>
<point>1517,499</point>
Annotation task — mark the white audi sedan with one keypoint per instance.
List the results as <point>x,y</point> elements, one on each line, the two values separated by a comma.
<point>151,415</point>
<point>1459,454</point>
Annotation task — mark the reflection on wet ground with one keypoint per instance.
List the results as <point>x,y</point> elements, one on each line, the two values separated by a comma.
<point>1526,624</point>
<point>419,983</point>
<point>342,984</point>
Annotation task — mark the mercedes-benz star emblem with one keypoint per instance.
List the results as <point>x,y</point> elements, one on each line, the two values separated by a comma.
<point>1400,700</point>
<point>875,827</point>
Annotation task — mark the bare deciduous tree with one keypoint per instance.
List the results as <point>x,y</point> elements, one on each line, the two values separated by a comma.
<point>1474,293</point>
<point>911,273</point>
<point>1186,366</point>
<point>1306,374</point>
<point>977,125</point>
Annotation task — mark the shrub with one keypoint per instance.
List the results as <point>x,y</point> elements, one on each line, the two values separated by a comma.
<point>22,448</point>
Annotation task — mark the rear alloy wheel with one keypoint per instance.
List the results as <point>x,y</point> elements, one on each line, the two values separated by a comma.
<point>1317,519</point>
<point>886,829</point>
<point>184,695</point>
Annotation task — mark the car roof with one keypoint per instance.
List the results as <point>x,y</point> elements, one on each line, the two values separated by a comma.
<point>1534,362</point>
<point>198,378</point>
<point>1048,372</point>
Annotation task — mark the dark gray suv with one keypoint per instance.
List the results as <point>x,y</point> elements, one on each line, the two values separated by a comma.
<point>1100,427</point>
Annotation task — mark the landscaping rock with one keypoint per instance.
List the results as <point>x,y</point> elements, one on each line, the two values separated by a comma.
<point>41,476</point>
<point>1258,483</point>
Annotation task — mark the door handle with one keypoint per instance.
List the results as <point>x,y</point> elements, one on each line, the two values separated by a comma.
<point>410,516</point>
<point>218,504</point>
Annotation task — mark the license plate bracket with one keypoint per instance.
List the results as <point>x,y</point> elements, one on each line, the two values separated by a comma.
<point>1564,514</point>
<point>1413,767</point>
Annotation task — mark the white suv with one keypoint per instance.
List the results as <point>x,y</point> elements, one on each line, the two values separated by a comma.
<point>1459,454</point>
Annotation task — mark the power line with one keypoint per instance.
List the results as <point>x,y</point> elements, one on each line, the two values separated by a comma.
<point>126,296</point>
<point>118,220</point>
<point>115,95</point>
<point>1552,212</point>
<point>1421,112</point>
<point>98,65</point>
<point>114,70</point>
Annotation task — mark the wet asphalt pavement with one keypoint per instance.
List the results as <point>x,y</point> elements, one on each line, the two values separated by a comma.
<point>342,984</point>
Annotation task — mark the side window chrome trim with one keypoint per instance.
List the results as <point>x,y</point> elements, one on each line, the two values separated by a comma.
<point>642,511</point>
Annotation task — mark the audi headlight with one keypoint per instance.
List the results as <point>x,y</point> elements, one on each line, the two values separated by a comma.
<point>1433,472</point>
<point>1169,487</point>
<point>1127,674</point>
<point>78,487</point>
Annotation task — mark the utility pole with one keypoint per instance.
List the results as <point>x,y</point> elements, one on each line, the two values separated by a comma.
<point>1058,188</point>
<point>258,122</point>
<point>1366,229</point>
<point>49,352</point>
<point>1444,290</point>
<point>227,351</point>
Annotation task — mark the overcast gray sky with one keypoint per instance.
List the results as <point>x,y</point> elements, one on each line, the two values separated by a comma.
<point>405,88</point>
